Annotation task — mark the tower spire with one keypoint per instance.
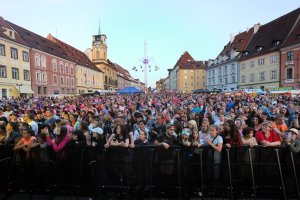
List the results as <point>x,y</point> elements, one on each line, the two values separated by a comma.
<point>99,30</point>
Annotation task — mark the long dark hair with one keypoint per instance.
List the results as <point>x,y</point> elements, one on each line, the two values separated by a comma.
<point>124,131</point>
<point>233,130</point>
<point>62,134</point>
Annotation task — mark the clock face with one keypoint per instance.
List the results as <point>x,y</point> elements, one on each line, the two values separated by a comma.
<point>97,45</point>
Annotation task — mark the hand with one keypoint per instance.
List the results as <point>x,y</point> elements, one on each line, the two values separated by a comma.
<point>208,141</point>
<point>106,145</point>
<point>131,145</point>
<point>228,145</point>
<point>53,141</point>
<point>166,146</point>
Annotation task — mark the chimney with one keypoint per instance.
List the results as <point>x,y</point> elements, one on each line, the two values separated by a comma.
<point>231,37</point>
<point>256,27</point>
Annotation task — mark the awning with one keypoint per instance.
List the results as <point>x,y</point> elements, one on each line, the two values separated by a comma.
<point>25,89</point>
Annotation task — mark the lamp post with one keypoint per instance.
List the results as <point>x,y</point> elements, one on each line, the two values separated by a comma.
<point>19,88</point>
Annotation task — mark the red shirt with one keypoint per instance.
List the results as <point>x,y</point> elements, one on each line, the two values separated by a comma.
<point>260,136</point>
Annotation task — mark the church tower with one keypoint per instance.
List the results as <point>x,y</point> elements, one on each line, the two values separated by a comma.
<point>99,47</point>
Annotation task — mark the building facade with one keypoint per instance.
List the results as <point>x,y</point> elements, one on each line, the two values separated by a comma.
<point>98,55</point>
<point>290,59</point>
<point>52,69</point>
<point>260,62</point>
<point>222,72</point>
<point>15,76</point>
<point>88,77</point>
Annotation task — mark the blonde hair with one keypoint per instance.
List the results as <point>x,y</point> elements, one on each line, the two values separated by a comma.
<point>194,124</point>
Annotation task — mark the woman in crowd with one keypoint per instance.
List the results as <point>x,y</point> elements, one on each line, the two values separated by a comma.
<point>121,138</point>
<point>267,137</point>
<point>230,135</point>
<point>257,120</point>
<point>84,127</point>
<point>60,141</point>
<point>248,138</point>
<point>74,122</point>
<point>12,133</point>
<point>204,131</point>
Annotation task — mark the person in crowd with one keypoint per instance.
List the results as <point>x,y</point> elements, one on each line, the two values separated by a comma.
<point>215,142</point>
<point>142,127</point>
<point>195,139</point>
<point>240,124</point>
<point>39,118</point>
<point>279,126</point>
<point>267,137</point>
<point>157,129</point>
<point>184,137</point>
<point>78,139</point>
<point>97,137</point>
<point>293,143</point>
<point>12,133</point>
<point>230,135</point>
<point>257,121</point>
<point>29,118</point>
<point>142,138</point>
<point>288,118</point>
<point>60,141</point>
<point>74,122</point>
<point>193,126</point>
<point>248,137</point>
<point>166,139</point>
<point>26,141</point>
<point>84,127</point>
<point>121,138</point>
<point>50,119</point>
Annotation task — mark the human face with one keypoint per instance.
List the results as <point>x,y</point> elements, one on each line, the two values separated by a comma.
<point>212,132</point>
<point>142,125</point>
<point>118,130</point>
<point>142,136</point>
<point>255,120</point>
<point>265,128</point>
<point>294,136</point>
<point>204,128</point>
<point>195,134</point>
<point>227,126</point>
<point>250,135</point>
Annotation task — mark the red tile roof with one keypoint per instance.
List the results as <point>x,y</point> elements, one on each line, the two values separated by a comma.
<point>239,43</point>
<point>4,26</point>
<point>270,33</point>
<point>38,42</point>
<point>194,65</point>
<point>125,73</point>
<point>78,56</point>
<point>184,58</point>
<point>294,36</point>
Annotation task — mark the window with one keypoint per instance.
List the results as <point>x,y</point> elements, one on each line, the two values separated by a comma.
<point>252,77</point>
<point>43,62</point>
<point>220,70</point>
<point>62,80</point>
<point>14,53</point>
<point>62,90</point>
<point>261,62</point>
<point>192,77</point>
<point>67,69</point>
<point>220,80</point>
<point>4,93</point>
<point>289,56</point>
<point>2,49</point>
<point>226,80</point>
<point>25,56</point>
<point>72,82</point>
<point>252,64</point>
<point>38,77</point>
<point>262,76</point>
<point>26,75</point>
<point>243,79</point>
<point>55,79</point>
<point>273,59</point>
<point>273,74</point>
<point>37,61</point>
<point>289,73</point>
<point>233,69</point>
<point>44,77</point>
<point>225,70</point>
<point>39,90</point>
<point>2,71</point>
<point>54,66</point>
<point>243,66</point>
<point>61,69</point>
<point>73,91</point>
<point>67,81</point>
<point>72,70</point>
<point>233,79</point>
<point>15,73</point>
<point>45,90</point>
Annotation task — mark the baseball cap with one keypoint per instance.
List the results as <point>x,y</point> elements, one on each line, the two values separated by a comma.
<point>97,130</point>
<point>294,130</point>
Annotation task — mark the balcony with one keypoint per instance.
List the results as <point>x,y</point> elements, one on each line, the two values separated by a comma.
<point>290,62</point>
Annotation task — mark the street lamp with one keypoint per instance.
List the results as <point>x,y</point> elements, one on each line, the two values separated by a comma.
<point>19,88</point>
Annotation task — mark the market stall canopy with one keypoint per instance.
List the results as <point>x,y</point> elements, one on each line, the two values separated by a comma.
<point>129,90</point>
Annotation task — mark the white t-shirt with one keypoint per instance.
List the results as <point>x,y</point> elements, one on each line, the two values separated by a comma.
<point>217,140</point>
<point>34,127</point>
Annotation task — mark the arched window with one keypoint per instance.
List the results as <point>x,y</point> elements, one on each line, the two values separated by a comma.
<point>37,60</point>
<point>43,62</point>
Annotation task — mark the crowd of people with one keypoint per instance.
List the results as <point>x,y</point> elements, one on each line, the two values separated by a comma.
<point>164,119</point>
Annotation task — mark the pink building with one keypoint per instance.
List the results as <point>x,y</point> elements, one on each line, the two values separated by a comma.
<point>52,68</point>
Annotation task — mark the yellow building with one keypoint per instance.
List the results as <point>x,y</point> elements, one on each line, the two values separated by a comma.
<point>88,77</point>
<point>191,75</point>
<point>15,79</point>
<point>98,55</point>
<point>260,72</point>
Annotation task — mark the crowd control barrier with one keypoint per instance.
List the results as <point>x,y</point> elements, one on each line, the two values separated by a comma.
<point>152,171</point>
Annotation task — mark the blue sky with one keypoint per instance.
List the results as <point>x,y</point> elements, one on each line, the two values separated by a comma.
<point>170,27</point>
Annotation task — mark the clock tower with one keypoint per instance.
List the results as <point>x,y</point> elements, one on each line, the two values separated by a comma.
<point>99,48</point>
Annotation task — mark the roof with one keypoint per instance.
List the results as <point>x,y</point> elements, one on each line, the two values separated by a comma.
<point>38,42</point>
<point>125,73</point>
<point>194,65</point>
<point>270,36</point>
<point>294,36</point>
<point>4,26</point>
<point>78,56</point>
<point>239,44</point>
<point>184,58</point>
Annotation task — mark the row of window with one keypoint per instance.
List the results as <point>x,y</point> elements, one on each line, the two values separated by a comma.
<point>192,77</point>
<point>211,81</point>
<point>261,76</point>
<point>43,90</point>
<point>14,72</point>
<point>14,53</point>
<point>192,84</point>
